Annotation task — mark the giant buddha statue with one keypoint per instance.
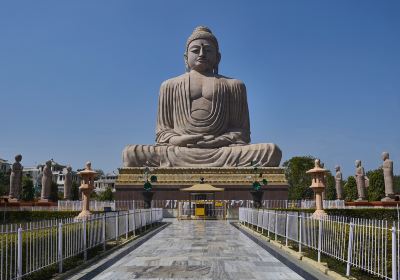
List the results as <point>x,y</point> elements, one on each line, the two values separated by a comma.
<point>203,117</point>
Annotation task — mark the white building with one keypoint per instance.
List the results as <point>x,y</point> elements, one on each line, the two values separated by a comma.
<point>104,182</point>
<point>5,166</point>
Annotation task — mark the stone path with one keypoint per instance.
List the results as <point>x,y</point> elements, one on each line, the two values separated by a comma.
<point>198,250</point>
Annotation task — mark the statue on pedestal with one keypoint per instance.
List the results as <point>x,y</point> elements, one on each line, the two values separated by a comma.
<point>16,179</point>
<point>68,183</point>
<point>360,179</point>
<point>388,177</point>
<point>47,178</point>
<point>338,180</point>
<point>203,117</point>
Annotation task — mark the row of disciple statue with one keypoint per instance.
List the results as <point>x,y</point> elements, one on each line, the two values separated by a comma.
<point>361,179</point>
<point>46,180</point>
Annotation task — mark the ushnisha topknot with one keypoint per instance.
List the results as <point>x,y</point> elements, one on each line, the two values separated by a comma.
<point>202,32</point>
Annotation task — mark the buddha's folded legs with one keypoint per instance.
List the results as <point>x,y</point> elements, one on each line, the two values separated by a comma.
<point>172,156</point>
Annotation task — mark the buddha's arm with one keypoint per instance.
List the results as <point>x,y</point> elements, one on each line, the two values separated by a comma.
<point>239,124</point>
<point>165,119</point>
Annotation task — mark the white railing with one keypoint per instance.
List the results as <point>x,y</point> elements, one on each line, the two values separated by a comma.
<point>304,204</point>
<point>370,245</point>
<point>27,248</point>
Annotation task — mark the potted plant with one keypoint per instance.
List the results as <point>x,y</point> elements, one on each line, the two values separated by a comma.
<point>256,191</point>
<point>147,186</point>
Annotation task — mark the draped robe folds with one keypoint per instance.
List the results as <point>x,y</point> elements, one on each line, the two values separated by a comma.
<point>229,118</point>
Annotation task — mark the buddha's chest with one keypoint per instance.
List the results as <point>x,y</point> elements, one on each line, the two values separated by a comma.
<point>201,95</point>
<point>202,88</point>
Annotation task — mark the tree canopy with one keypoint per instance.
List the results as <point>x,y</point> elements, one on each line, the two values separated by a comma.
<point>299,182</point>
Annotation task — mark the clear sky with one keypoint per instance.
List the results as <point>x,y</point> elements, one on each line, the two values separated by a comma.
<point>79,79</point>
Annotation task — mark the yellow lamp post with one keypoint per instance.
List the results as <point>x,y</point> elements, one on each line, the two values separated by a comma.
<point>318,186</point>
<point>86,188</point>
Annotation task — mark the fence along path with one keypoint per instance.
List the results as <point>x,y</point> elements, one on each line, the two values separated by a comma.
<point>370,245</point>
<point>30,247</point>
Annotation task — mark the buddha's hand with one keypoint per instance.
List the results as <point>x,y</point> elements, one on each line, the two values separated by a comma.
<point>214,143</point>
<point>184,140</point>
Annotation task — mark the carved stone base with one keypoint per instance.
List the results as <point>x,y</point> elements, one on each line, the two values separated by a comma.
<point>319,214</point>
<point>83,215</point>
<point>389,198</point>
<point>148,197</point>
<point>257,198</point>
<point>237,182</point>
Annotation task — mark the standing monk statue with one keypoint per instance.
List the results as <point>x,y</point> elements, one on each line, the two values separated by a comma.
<point>68,183</point>
<point>16,179</point>
<point>338,180</point>
<point>47,179</point>
<point>203,117</point>
<point>360,179</point>
<point>388,177</point>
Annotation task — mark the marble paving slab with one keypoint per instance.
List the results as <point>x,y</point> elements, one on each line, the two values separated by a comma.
<point>199,250</point>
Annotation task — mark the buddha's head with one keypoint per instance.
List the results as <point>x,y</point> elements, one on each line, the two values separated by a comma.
<point>202,51</point>
<point>357,163</point>
<point>337,168</point>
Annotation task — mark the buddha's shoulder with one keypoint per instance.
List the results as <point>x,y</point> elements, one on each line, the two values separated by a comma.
<point>173,81</point>
<point>231,81</point>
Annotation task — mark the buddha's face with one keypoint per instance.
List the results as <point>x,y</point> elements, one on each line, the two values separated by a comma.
<point>202,56</point>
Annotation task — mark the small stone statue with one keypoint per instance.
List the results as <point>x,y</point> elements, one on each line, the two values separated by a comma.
<point>388,176</point>
<point>360,179</point>
<point>68,183</point>
<point>338,180</point>
<point>46,181</point>
<point>16,179</point>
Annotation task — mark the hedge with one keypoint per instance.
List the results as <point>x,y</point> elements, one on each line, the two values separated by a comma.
<point>363,213</point>
<point>11,217</point>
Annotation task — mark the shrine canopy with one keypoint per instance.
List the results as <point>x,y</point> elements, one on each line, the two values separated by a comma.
<point>202,188</point>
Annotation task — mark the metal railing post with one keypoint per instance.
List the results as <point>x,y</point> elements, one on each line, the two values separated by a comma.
<point>300,229</point>
<point>319,239</point>
<point>276,225</point>
<point>350,249</point>
<point>19,254</point>
<point>287,229</point>
<point>134,222</point>
<point>116,226</point>
<point>60,248</point>
<point>394,253</point>
<point>126,225</point>
<point>84,240</point>
<point>104,232</point>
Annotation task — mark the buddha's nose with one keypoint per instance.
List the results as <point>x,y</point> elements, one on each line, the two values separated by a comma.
<point>202,52</point>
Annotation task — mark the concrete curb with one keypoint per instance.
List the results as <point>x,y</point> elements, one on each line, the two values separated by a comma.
<point>136,242</point>
<point>305,267</point>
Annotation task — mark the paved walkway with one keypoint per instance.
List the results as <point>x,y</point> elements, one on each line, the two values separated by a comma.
<point>198,250</point>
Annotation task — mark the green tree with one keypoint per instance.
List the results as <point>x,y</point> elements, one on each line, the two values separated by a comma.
<point>4,183</point>
<point>396,182</point>
<point>75,191</point>
<point>330,191</point>
<point>299,181</point>
<point>376,188</point>
<point>54,192</point>
<point>350,189</point>
<point>106,195</point>
<point>28,190</point>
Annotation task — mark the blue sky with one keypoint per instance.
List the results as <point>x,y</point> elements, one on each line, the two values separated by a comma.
<point>79,79</point>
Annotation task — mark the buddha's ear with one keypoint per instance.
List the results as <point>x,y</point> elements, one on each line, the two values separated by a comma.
<point>218,60</point>
<point>185,59</point>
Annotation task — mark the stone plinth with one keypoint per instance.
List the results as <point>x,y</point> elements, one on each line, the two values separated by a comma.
<point>237,182</point>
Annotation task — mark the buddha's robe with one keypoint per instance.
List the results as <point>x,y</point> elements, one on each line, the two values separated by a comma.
<point>229,118</point>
